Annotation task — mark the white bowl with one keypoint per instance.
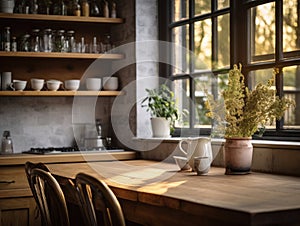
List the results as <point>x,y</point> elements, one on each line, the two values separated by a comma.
<point>53,85</point>
<point>110,83</point>
<point>37,84</point>
<point>182,162</point>
<point>93,84</point>
<point>72,84</point>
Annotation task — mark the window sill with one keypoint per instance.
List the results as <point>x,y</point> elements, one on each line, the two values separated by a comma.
<point>256,143</point>
<point>275,157</point>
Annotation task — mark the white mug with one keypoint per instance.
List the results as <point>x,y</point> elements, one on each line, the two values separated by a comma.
<point>72,84</point>
<point>37,84</point>
<point>110,83</point>
<point>18,85</point>
<point>53,85</point>
<point>196,147</point>
<point>201,165</point>
<point>93,84</point>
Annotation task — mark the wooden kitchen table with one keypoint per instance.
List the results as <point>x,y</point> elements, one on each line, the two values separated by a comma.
<point>155,193</point>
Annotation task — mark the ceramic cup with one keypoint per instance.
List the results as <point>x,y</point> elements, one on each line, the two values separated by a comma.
<point>72,84</point>
<point>37,84</point>
<point>110,83</point>
<point>53,85</point>
<point>201,165</point>
<point>181,162</point>
<point>93,84</point>
<point>18,85</point>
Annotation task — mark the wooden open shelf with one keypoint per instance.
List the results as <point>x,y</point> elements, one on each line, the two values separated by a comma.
<point>61,18</point>
<point>105,56</point>
<point>61,93</point>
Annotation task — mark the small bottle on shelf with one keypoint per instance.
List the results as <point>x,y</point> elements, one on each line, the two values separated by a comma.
<point>14,44</point>
<point>76,8</point>
<point>6,39</point>
<point>85,8</point>
<point>105,9</point>
<point>113,13</point>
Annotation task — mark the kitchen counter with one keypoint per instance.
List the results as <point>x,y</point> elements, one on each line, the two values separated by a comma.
<point>20,159</point>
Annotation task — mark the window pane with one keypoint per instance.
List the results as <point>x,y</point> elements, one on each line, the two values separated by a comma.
<point>203,48</point>
<point>261,76</point>
<point>263,32</point>
<point>291,88</point>
<point>223,41</point>
<point>214,85</point>
<point>291,39</point>
<point>182,98</point>
<point>202,7</point>
<point>180,37</point>
<point>223,4</point>
<point>180,9</point>
<point>201,83</point>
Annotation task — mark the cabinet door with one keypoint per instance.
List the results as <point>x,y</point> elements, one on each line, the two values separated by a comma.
<point>19,212</point>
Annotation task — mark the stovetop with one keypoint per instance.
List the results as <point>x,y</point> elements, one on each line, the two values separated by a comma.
<point>65,150</point>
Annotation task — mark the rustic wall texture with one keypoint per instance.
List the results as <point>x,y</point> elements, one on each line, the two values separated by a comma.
<point>47,121</point>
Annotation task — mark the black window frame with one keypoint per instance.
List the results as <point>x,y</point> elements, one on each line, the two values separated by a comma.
<point>239,12</point>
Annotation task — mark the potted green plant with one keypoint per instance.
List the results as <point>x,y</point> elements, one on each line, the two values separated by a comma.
<point>242,112</point>
<point>161,105</point>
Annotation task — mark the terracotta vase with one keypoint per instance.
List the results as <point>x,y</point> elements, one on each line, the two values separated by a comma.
<point>238,155</point>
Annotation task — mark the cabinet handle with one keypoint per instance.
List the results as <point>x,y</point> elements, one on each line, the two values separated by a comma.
<point>7,181</point>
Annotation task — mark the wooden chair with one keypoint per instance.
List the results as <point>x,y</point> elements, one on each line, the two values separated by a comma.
<point>49,197</point>
<point>96,195</point>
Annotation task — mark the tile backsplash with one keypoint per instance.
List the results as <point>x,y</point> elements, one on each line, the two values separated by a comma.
<point>42,121</point>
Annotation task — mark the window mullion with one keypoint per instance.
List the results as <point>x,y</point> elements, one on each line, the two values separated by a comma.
<point>192,66</point>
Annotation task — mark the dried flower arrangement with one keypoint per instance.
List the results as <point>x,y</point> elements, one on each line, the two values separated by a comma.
<point>246,111</point>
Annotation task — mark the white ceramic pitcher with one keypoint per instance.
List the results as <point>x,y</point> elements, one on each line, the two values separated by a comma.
<point>196,147</point>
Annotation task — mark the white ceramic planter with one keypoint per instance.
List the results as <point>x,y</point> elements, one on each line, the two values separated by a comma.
<point>160,127</point>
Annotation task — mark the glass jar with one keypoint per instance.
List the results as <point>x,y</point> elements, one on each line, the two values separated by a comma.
<point>70,41</point>
<point>94,8</point>
<point>35,41</point>
<point>33,7</point>
<point>59,8</point>
<point>60,40</point>
<point>25,43</point>
<point>47,43</point>
<point>7,144</point>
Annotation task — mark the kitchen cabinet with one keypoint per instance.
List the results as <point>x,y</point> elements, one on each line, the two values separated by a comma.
<point>55,65</point>
<point>17,206</point>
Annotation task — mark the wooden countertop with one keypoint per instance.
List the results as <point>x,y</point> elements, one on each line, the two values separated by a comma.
<point>20,159</point>
<point>254,199</point>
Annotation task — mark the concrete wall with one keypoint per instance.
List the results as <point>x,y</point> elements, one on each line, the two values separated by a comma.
<point>47,121</point>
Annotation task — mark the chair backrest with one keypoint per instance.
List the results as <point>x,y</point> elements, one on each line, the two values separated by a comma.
<point>96,196</point>
<point>49,197</point>
<point>28,168</point>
